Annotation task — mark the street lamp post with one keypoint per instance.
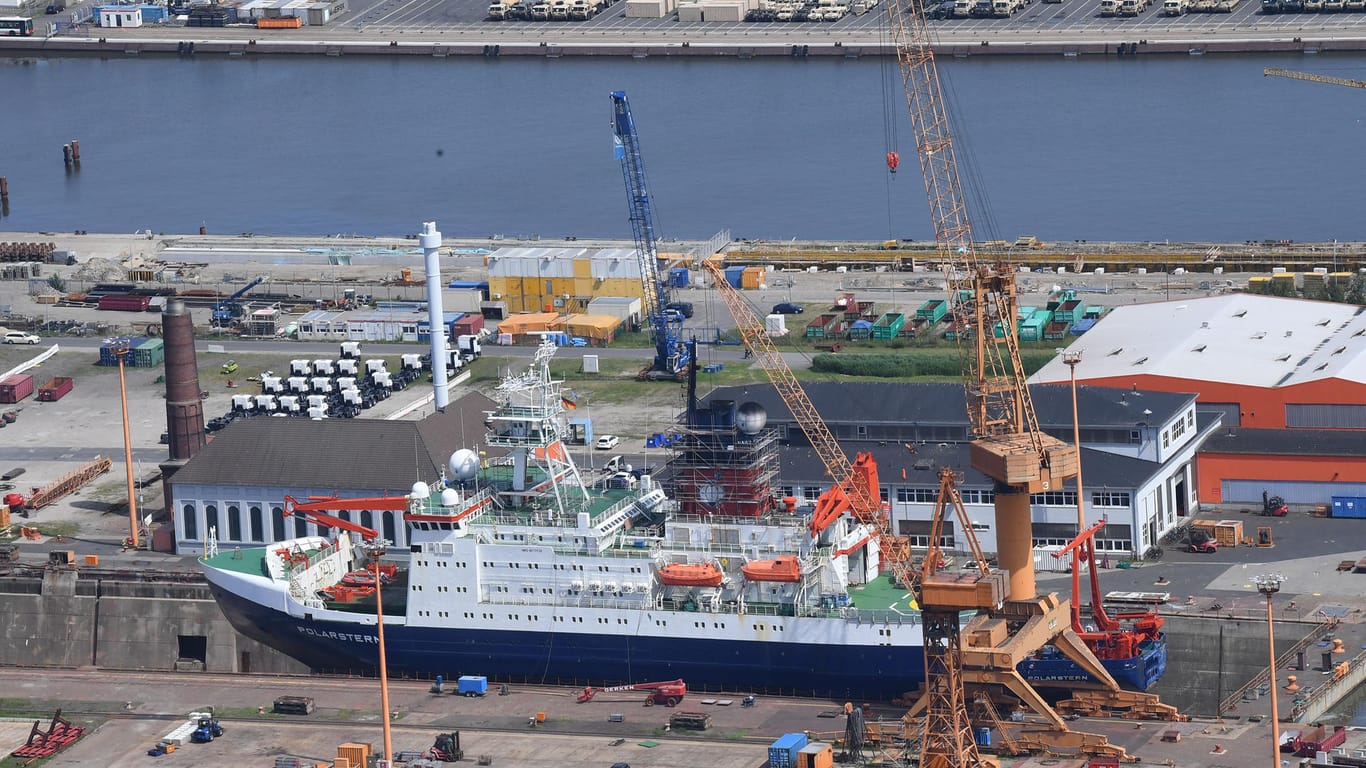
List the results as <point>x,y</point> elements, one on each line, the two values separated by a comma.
<point>122,347</point>
<point>1270,584</point>
<point>1070,359</point>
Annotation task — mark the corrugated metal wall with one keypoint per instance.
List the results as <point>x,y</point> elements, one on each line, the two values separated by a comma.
<point>1250,491</point>
<point>1322,416</point>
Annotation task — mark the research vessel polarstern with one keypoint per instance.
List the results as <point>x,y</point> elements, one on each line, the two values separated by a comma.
<point>523,570</point>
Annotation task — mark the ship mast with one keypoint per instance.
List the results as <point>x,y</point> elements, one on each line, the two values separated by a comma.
<point>530,420</point>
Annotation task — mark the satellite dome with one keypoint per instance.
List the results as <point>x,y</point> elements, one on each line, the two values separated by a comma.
<point>464,464</point>
<point>450,497</point>
<point>420,490</point>
<point>752,418</point>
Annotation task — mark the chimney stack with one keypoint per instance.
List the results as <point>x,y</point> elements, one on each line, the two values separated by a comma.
<point>184,409</point>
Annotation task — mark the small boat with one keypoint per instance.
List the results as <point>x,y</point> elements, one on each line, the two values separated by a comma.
<point>690,575</point>
<point>785,568</point>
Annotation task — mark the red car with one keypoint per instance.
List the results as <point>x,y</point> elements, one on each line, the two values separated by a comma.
<point>1208,545</point>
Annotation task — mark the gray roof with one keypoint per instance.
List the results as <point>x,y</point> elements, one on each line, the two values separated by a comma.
<point>1287,442</point>
<point>801,466</point>
<point>369,454</point>
<point>865,402</point>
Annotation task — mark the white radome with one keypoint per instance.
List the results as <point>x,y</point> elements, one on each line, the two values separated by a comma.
<point>420,490</point>
<point>464,464</point>
<point>751,418</point>
<point>450,497</point>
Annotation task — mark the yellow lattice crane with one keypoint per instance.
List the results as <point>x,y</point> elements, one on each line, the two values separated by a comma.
<point>1007,446</point>
<point>1293,75</point>
<point>854,487</point>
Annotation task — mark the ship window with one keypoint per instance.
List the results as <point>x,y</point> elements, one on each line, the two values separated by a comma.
<point>277,522</point>
<point>211,519</point>
<point>234,523</point>
<point>257,525</point>
<point>189,525</point>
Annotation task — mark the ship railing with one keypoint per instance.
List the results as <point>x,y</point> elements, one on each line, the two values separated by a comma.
<point>633,602</point>
<point>862,616</point>
<point>775,519</point>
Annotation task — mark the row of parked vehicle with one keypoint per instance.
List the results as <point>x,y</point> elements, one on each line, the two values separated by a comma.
<point>1169,7</point>
<point>1312,6</point>
<point>810,10</point>
<point>547,10</point>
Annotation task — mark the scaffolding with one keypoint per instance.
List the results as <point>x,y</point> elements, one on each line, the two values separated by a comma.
<point>725,462</point>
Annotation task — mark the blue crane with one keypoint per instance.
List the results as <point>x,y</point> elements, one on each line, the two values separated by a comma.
<point>666,324</point>
<point>227,310</point>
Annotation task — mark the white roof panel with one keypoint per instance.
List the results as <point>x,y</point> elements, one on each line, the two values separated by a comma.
<point>1263,341</point>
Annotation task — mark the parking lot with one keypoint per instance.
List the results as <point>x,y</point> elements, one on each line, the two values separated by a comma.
<point>1079,18</point>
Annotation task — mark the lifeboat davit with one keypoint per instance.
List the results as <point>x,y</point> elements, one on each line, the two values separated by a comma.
<point>785,568</point>
<point>690,575</point>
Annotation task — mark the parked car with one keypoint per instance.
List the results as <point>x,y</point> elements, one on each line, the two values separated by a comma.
<point>684,308</point>
<point>20,337</point>
<point>788,308</point>
<point>607,442</point>
<point>1206,545</point>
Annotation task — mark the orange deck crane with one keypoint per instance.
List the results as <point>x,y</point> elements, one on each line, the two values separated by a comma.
<point>312,509</point>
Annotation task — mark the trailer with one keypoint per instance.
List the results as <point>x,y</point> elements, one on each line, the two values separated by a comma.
<point>1319,739</point>
<point>126,302</point>
<point>55,389</point>
<point>472,685</point>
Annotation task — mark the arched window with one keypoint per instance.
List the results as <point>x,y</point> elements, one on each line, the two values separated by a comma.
<point>189,524</point>
<point>367,518</point>
<point>257,524</point>
<point>300,526</point>
<point>234,523</point>
<point>389,526</point>
<point>277,519</point>
<point>211,521</point>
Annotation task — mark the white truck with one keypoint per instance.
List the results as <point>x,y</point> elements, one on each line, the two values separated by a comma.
<point>468,346</point>
<point>1175,7</point>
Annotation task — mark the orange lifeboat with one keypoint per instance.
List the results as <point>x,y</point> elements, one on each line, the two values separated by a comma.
<point>690,575</point>
<point>785,568</point>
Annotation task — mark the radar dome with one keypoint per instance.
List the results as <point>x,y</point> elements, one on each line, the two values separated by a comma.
<point>420,490</point>
<point>751,418</point>
<point>464,464</point>
<point>450,497</point>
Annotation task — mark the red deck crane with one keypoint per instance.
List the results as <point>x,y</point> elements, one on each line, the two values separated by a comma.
<point>668,693</point>
<point>312,509</point>
<point>1114,637</point>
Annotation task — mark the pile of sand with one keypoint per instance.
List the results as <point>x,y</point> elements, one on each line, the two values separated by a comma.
<point>97,270</point>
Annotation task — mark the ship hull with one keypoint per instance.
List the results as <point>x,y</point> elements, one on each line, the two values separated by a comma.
<point>1138,673</point>
<point>839,672</point>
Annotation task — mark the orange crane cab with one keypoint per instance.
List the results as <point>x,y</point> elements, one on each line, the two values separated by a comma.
<point>668,693</point>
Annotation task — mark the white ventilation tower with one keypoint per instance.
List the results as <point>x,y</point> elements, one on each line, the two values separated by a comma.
<point>430,240</point>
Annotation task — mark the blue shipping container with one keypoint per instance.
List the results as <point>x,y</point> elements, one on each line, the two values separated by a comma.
<point>473,685</point>
<point>734,275</point>
<point>678,277</point>
<point>1349,506</point>
<point>783,752</point>
<point>983,737</point>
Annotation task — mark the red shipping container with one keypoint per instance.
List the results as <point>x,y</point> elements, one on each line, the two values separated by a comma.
<point>55,389</point>
<point>16,388</point>
<point>125,302</point>
<point>467,326</point>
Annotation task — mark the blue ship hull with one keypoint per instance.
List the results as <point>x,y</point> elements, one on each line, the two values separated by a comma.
<point>878,672</point>
<point>1051,669</point>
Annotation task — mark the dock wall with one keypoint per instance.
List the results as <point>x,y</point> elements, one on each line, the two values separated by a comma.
<point>198,42</point>
<point>62,621</point>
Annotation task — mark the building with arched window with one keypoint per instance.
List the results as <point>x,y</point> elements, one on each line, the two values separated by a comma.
<point>235,487</point>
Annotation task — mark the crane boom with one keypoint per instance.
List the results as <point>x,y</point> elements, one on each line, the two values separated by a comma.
<point>1293,75</point>
<point>756,338</point>
<point>671,354</point>
<point>313,508</point>
<point>224,310</point>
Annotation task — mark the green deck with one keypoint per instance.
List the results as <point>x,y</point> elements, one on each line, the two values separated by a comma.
<point>251,561</point>
<point>881,595</point>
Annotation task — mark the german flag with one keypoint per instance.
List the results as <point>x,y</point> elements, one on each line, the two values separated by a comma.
<point>569,399</point>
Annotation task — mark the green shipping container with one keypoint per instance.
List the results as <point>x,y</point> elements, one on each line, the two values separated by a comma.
<point>149,354</point>
<point>889,326</point>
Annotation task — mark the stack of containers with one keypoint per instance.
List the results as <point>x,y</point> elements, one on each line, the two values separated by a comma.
<point>149,354</point>
<point>783,752</point>
<point>107,356</point>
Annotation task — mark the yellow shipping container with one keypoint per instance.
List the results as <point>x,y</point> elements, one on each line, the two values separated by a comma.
<point>583,269</point>
<point>619,286</point>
